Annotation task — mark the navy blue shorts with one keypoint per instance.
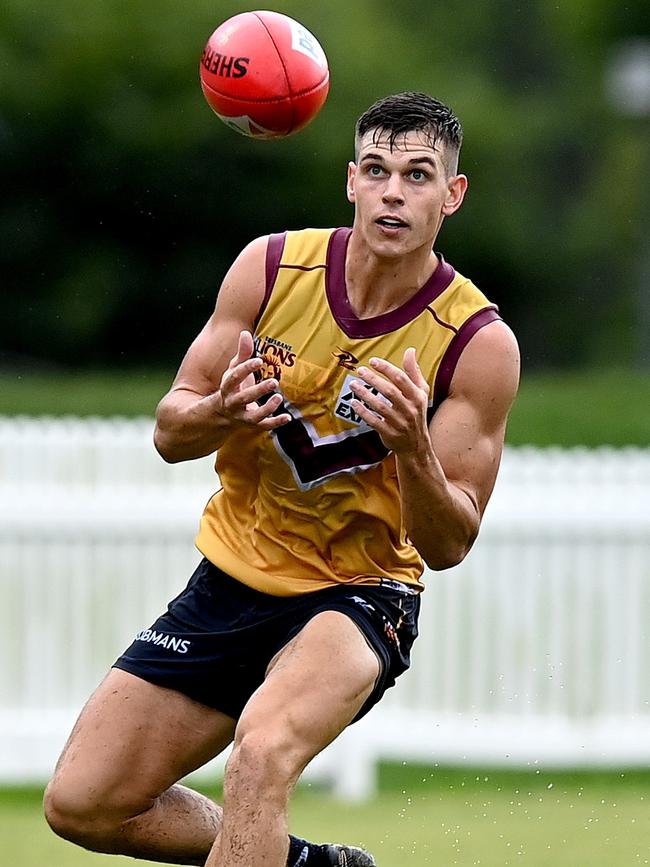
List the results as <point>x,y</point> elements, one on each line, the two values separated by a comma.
<point>218,636</point>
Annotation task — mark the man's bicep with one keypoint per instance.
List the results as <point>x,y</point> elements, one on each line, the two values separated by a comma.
<point>468,454</point>
<point>207,358</point>
<point>468,430</point>
<point>238,305</point>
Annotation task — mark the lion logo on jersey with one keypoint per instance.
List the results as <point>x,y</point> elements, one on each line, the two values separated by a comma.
<point>270,369</point>
<point>275,354</point>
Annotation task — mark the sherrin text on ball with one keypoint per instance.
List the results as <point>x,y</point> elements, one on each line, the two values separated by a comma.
<point>264,74</point>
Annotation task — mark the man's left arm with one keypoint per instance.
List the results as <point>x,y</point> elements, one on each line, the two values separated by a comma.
<point>446,470</point>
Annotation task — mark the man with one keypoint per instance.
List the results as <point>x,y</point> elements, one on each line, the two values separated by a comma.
<point>356,389</point>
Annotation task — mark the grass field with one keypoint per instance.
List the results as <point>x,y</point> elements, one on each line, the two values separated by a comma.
<point>426,817</point>
<point>581,408</point>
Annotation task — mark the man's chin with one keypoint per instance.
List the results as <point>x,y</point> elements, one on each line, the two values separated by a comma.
<point>391,247</point>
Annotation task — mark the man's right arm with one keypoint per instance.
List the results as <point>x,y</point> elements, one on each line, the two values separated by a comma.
<point>214,392</point>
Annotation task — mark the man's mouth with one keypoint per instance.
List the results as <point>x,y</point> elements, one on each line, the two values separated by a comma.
<point>391,222</point>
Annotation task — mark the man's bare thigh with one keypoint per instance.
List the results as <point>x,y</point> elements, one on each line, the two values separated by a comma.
<point>137,739</point>
<point>314,687</point>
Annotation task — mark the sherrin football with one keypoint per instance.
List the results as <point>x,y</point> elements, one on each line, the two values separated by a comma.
<point>264,74</point>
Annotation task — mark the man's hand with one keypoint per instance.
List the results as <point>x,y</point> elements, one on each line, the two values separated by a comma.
<point>238,397</point>
<point>191,424</point>
<point>445,470</point>
<point>215,393</point>
<point>399,412</point>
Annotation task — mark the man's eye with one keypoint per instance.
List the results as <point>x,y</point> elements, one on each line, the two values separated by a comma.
<point>418,175</point>
<point>375,170</point>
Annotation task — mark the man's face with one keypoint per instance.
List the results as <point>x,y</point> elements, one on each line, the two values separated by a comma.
<point>402,195</point>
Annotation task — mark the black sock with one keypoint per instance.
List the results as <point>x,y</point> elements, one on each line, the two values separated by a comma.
<point>302,853</point>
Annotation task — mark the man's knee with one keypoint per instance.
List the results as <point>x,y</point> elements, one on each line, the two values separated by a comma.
<point>68,813</point>
<point>78,811</point>
<point>266,760</point>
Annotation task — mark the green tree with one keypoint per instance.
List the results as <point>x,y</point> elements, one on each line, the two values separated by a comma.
<point>124,199</point>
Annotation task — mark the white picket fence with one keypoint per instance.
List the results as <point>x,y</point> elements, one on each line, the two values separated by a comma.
<point>534,651</point>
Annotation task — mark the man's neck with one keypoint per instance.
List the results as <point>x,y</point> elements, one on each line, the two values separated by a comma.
<point>377,285</point>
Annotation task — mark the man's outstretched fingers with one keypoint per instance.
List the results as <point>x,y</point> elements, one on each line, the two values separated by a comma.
<point>237,373</point>
<point>245,346</point>
<point>262,415</point>
<point>250,394</point>
<point>412,368</point>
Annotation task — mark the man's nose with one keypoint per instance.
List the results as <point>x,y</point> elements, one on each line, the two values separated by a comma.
<point>393,190</point>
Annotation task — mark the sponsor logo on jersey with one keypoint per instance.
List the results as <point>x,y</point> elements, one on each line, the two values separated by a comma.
<point>179,645</point>
<point>344,407</point>
<point>275,354</point>
<point>345,359</point>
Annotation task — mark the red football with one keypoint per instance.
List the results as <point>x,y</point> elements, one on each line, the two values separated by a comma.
<point>264,74</point>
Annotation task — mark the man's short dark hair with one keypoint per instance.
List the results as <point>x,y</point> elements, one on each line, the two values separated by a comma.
<point>410,111</point>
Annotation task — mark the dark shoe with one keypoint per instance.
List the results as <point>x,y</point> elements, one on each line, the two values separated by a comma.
<point>349,856</point>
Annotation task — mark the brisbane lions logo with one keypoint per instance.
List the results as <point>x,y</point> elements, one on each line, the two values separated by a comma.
<point>275,355</point>
<point>270,369</point>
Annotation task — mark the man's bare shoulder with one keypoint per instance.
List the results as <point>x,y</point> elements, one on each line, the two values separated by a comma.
<point>243,288</point>
<point>488,369</point>
<point>496,339</point>
<point>255,251</point>
<point>250,265</point>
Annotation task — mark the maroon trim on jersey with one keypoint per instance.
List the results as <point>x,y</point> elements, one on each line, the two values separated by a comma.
<point>274,250</point>
<point>455,349</point>
<point>441,321</point>
<point>303,267</point>
<point>341,308</point>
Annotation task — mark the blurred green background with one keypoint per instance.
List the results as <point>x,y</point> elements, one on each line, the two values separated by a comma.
<point>125,199</point>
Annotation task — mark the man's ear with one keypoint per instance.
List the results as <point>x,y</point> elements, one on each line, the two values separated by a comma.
<point>456,189</point>
<point>352,170</point>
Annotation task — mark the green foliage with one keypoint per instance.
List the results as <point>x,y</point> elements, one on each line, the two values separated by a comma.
<point>586,408</point>
<point>130,394</point>
<point>124,198</point>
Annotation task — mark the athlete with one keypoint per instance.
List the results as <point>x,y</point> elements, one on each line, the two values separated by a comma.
<point>355,389</point>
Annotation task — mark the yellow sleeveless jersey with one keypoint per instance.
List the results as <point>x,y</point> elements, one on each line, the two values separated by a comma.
<point>316,502</point>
